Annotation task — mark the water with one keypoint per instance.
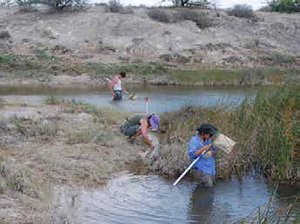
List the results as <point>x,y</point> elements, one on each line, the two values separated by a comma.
<point>130,198</point>
<point>161,98</point>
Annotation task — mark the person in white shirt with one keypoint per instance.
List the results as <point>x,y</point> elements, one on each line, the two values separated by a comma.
<point>115,86</point>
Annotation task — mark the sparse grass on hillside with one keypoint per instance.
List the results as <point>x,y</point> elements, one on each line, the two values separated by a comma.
<point>41,67</point>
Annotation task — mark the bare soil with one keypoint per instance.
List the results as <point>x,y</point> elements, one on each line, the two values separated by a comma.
<point>94,35</point>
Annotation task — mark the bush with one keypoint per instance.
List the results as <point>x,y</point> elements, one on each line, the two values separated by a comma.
<point>114,6</point>
<point>62,4</point>
<point>200,18</point>
<point>26,5</point>
<point>242,11</point>
<point>160,15</point>
<point>288,6</point>
<point>4,34</point>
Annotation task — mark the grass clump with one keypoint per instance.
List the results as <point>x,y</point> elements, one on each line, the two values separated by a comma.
<point>52,99</point>
<point>28,128</point>
<point>96,134</point>
<point>18,179</point>
<point>272,213</point>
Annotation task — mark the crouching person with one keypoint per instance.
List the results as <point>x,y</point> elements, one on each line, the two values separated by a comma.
<point>201,146</point>
<point>138,125</point>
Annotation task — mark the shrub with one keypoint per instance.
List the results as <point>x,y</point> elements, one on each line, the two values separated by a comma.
<point>114,6</point>
<point>4,34</point>
<point>288,6</point>
<point>200,18</point>
<point>160,15</point>
<point>242,11</point>
<point>62,4</point>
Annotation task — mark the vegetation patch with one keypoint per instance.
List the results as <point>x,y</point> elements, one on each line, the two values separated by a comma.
<point>242,11</point>
<point>288,6</point>
<point>265,128</point>
<point>201,19</point>
<point>234,77</point>
<point>114,6</point>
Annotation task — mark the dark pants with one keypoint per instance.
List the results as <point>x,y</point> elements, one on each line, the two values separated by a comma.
<point>204,179</point>
<point>118,95</point>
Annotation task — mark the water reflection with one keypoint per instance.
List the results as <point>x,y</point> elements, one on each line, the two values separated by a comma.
<point>201,205</point>
<point>151,199</point>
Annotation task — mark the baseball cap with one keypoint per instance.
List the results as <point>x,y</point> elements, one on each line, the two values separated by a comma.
<point>154,121</point>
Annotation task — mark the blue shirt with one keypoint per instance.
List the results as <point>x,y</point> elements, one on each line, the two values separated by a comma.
<point>207,165</point>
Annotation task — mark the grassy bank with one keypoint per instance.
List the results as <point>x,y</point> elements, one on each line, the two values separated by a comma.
<point>266,131</point>
<point>43,68</point>
<point>56,144</point>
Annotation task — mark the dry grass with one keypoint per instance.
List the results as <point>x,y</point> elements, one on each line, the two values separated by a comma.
<point>37,151</point>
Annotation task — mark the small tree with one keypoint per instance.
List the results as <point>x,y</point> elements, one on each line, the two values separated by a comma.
<point>26,2</point>
<point>6,3</point>
<point>62,4</point>
<point>288,6</point>
<point>184,3</point>
<point>241,11</point>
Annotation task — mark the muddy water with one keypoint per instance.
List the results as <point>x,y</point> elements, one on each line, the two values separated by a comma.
<point>161,98</point>
<point>130,198</point>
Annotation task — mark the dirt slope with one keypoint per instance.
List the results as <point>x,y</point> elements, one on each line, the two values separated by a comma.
<point>95,35</point>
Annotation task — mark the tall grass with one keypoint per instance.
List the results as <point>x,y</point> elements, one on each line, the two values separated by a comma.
<point>272,213</point>
<point>265,128</point>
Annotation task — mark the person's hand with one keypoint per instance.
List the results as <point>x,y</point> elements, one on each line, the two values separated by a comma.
<point>206,147</point>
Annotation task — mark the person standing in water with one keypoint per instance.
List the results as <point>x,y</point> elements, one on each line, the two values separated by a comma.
<point>115,86</point>
<point>201,146</point>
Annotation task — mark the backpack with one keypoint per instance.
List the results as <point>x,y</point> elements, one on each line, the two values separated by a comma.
<point>130,125</point>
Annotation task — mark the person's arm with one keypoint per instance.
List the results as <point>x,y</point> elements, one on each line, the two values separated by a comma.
<point>202,149</point>
<point>144,134</point>
<point>110,85</point>
<point>194,150</point>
